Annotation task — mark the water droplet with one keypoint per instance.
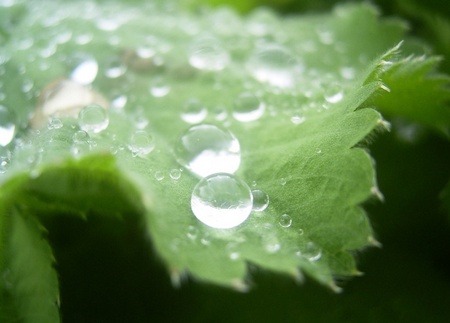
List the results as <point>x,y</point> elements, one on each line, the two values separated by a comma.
<point>300,232</point>
<point>207,149</point>
<point>80,136</point>
<point>7,126</point>
<point>282,181</point>
<point>192,232</point>
<point>159,175</point>
<point>297,119</point>
<point>85,72</point>
<point>334,93</point>
<point>55,123</point>
<point>115,68</point>
<point>206,239</point>
<point>312,252</point>
<point>141,143</point>
<point>207,54</point>
<point>193,111</point>
<point>285,221</point>
<point>175,174</point>
<point>270,240</point>
<point>159,87</point>
<point>318,151</point>
<point>5,161</point>
<point>247,107</point>
<point>221,201</point>
<point>93,118</point>
<point>260,200</point>
<point>119,102</point>
<point>348,72</point>
<point>274,65</point>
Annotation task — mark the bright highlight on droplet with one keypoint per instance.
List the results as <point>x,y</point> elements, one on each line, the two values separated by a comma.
<point>7,126</point>
<point>207,54</point>
<point>206,149</point>
<point>247,107</point>
<point>260,200</point>
<point>221,201</point>
<point>141,143</point>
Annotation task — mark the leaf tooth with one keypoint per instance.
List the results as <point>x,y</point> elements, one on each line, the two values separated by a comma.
<point>384,123</point>
<point>240,285</point>
<point>177,277</point>
<point>335,288</point>
<point>374,242</point>
<point>298,276</point>
<point>376,192</point>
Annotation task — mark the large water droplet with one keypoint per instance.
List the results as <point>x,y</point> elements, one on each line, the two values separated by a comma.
<point>274,65</point>
<point>221,201</point>
<point>7,126</point>
<point>207,149</point>
<point>193,111</point>
<point>207,54</point>
<point>260,200</point>
<point>85,72</point>
<point>247,107</point>
<point>141,143</point>
<point>93,118</point>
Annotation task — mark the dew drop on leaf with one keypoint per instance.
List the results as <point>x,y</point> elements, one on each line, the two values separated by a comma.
<point>193,111</point>
<point>311,252</point>
<point>85,72</point>
<point>206,149</point>
<point>247,107</point>
<point>4,164</point>
<point>260,200</point>
<point>285,221</point>
<point>159,87</point>
<point>141,143</point>
<point>207,54</point>
<point>7,126</point>
<point>175,174</point>
<point>274,64</point>
<point>333,93</point>
<point>93,118</point>
<point>159,175</point>
<point>192,232</point>
<point>221,201</point>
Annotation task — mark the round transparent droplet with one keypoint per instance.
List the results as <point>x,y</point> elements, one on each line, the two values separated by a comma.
<point>260,200</point>
<point>312,252</point>
<point>221,201</point>
<point>297,119</point>
<point>7,126</point>
<point>193,111</point>
<point>159,175</point>
<point>282,181</point>
<point>141,143</point>
<point>175,174</point>
<point>80,136</point>
<point>285,221</point>
<point>55,123</point>
<point>271,243</point>
<point>85,72</point>
<point>333,93</point>
<point>192,232</point>
<point>93,119</point>
<point>207,54</point>
<point>207,149</point>
<point>115,68</point>
<point>247,107</point>
<point>205,239</point>
<point>274,65</point>
<point>5,161</point>
<point>159,87</point>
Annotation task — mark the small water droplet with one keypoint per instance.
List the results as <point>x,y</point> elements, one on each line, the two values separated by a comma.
<point>247,107</point>
<point>192,232</point>
<point>93,118</point>
<point>119,102</point>
<point>271,243</point>
<point>207,54</point>
<point>297,119</point>
<point>282,181</point>
<point>275,65</point>
<point>159,87</point>
<point>175,174</point>
<point>260,200</point>
<point>5,161</point>
<point>334,93</point>
<point>300,232</point>
<point>312,252</point>
<point>55,123</point>
<point>207,149</point>
<point>80,136</point>
<point>193,111</point>
<point>7,126</point>
<point>141,143</point>
<point>348,72</point>
<point>285,221</point>
<point>205,239</point>
<point>221,201</point>
<point>318,151</point>
<point>159,175</point>
<point>115,68</point>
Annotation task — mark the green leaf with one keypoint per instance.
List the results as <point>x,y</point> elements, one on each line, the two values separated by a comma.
<point>305,151</point>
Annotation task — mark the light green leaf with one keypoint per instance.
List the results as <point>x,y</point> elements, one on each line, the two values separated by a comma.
<point>304,151</point>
